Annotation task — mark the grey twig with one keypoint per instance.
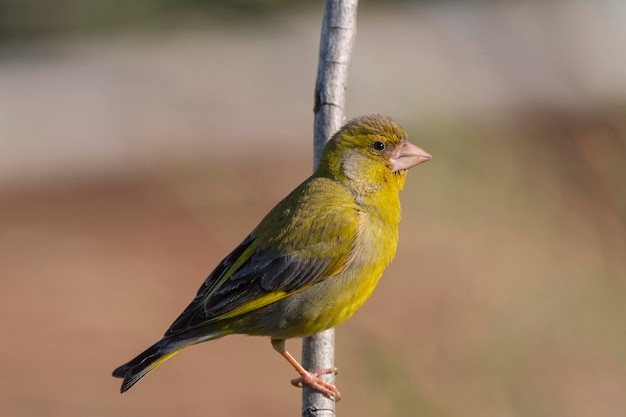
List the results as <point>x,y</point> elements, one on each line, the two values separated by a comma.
<point>336,41</point>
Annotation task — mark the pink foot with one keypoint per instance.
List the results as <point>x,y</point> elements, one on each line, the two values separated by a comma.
<point>313,380</point>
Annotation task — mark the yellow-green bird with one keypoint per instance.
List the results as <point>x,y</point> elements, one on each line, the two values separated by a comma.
<point>312,261</point>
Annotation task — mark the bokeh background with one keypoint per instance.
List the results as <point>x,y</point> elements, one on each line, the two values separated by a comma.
<point>140,141</point>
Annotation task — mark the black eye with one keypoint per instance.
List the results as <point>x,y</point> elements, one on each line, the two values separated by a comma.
<point>379,146</point>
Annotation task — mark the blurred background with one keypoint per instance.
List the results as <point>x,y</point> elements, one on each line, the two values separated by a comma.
<point>141,141</point>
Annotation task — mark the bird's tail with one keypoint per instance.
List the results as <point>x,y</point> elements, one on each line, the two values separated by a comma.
<point>152,357</point>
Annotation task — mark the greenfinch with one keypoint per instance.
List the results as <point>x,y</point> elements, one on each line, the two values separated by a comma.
<point>312,261</point>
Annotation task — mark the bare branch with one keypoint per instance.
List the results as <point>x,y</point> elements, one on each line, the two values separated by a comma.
<point>336,41</point>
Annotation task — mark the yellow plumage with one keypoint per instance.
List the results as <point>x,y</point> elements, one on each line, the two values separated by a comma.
<point>313,260</point>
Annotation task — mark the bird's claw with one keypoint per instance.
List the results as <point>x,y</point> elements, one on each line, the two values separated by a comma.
<point>313,380</point>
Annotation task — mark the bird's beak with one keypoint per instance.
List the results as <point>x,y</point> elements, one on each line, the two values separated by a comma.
<point>407,156</point>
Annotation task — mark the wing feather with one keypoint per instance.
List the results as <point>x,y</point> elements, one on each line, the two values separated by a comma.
<point>258,272</point>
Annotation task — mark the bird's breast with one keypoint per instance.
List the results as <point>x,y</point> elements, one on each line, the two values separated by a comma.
<point>336,299</point>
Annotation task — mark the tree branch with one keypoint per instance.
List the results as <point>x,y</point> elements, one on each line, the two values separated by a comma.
<point>336,41</point>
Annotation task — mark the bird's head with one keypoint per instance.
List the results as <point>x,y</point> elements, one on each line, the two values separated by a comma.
<point>371,151</point>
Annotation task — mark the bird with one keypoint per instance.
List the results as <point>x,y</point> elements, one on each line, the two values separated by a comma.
<point>312,261</point>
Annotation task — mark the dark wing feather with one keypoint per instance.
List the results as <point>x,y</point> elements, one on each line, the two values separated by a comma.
<point>258,273</point>
<point>263,273</point>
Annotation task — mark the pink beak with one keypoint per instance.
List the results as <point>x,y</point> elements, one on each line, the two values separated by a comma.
<point>407,156</point>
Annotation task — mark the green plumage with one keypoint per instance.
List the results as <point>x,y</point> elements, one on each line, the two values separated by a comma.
<point>312,261</point>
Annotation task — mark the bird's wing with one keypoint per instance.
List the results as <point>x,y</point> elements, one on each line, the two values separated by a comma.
<point>261,271</point>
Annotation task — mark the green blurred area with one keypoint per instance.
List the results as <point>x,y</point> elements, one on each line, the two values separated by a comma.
<point>28,19</point>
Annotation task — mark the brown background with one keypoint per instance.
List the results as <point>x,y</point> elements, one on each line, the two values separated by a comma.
<point>133,162</point>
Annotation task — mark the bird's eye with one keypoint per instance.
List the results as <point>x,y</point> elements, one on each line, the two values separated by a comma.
<point>379,146</point>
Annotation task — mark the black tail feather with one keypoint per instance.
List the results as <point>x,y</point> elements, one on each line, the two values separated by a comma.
<point>152,357</point>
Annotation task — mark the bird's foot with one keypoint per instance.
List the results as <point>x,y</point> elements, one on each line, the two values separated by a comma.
<point>314,380</point>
